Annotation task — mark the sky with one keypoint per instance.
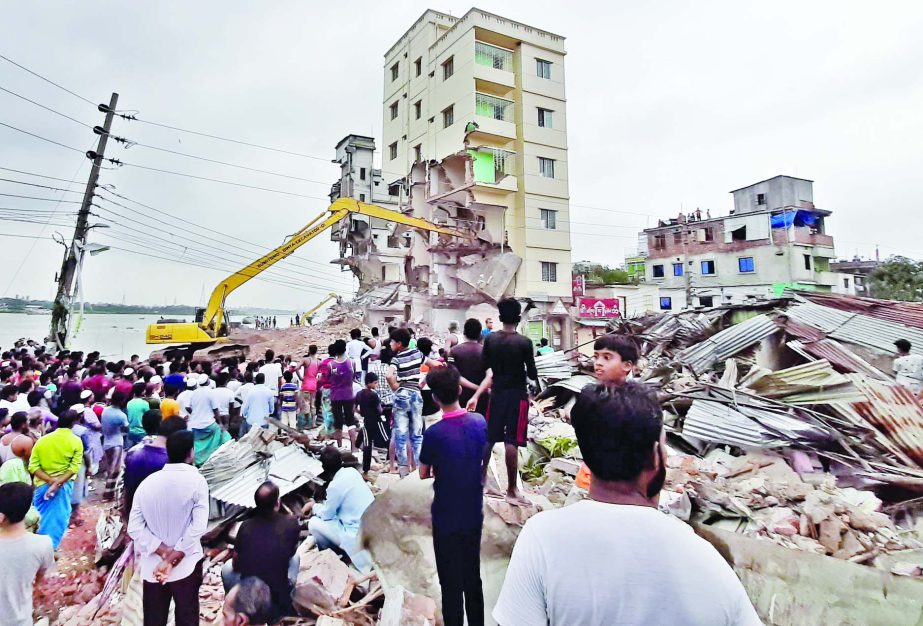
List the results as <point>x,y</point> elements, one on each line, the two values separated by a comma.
<point>670,106</point>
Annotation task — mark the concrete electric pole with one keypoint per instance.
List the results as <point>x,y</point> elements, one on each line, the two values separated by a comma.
<point>60,312</point>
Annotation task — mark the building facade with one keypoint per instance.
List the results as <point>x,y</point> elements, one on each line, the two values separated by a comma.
<point>774,239</point>
<point>475,119</point>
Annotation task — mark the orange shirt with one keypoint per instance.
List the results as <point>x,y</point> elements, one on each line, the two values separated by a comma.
<point>169,408</point>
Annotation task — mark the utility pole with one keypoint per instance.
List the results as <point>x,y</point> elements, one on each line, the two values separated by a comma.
<point>61,310</point>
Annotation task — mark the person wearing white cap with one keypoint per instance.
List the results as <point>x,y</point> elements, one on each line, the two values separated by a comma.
<point>95,436</point>
<point>192,381</point>
<point>202,407</point>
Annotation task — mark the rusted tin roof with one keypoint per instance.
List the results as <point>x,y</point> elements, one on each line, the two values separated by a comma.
<point>895,411</point>
<point>904,313</point>
<point>839,356</point>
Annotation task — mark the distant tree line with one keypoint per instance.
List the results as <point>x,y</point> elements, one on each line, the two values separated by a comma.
<point>898,278</point>
<point>599,273</point>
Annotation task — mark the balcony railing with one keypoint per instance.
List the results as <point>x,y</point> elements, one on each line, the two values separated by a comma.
<point>493,107</point>
<point>492,56</point>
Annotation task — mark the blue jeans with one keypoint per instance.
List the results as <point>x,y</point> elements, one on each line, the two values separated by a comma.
<point>408,417</point>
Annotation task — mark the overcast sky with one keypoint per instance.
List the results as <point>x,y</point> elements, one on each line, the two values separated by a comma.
<point>670,104</point>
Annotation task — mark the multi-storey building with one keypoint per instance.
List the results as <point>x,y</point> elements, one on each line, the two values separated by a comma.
<point>773,239</point>
<point>474,106</point>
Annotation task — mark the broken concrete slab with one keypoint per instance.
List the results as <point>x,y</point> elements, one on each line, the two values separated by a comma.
<point>322,580</point>
<point>403,608</point>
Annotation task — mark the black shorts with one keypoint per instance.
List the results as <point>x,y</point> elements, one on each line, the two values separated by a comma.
<point>342,413</point>
<point>508,416</point>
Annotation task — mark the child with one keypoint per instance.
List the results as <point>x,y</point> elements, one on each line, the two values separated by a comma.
<point>374,426</point>
<point>454,450</point>
<point>341,394</point>
<point>288,400</point>
<point>614,358</point>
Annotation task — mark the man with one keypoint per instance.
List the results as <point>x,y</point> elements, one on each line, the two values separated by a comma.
<point>17,442</point>
<point>26,557</point>
<point>14,468</point>
<point>356,349</point>
<point>192,382</point>
<point>467,359</point>
<point>452,340</point>
<point>55,461</point>
<point>609,559</point>
<point>374,425</point>
<point>272,372</point>
<point>509,360</point>
<point>258,406</point>
<point>176,378</point>
<point>543,347</point>
<point>248,603</point>
<point>136,407</point>
<point>908,368</point>
<point>265,547</point>
<point>224,396</point>
<point>288,400</point>
<point>9,399</point>
<point>149,456</point>
<point>404,378</point>
<point>336,521</point>
<point>70,389</point>
<point>488,328</point>
<point>203,421</point>
<point>168,518</point>
<point>169,406</point>
<point>453,451</point>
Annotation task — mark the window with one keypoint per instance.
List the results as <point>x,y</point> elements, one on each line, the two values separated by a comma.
<point>549,218</point>
<point>417,109</point>
<point>546,167</point>
<point>745,264</point>
<point>544,117</point>
<point>708,268</point>
<point>361,197</point>
<point>392,151</point>
<point>361,173</point>
<point>543,68</point>
<point>807,261</point>
<point>709,234</point>
<point>707,301</point>
<point>418,66</point>
<point>394,71</point>
<point>448,117</point>
<point>418,152</point>
<point>677,269</point>
<point>448,68</point>
<point>492,56</point>
<point>660,242</point>
<point>657,271</point>
<point>549,272</point>
<point>761,198</point>
<point>394,189</point>
<point>739,234</point>
<point>666,303</point>
<point>846,283</point>
<point>678,236</point>
<point>393,109</point>
<point>491,106</point>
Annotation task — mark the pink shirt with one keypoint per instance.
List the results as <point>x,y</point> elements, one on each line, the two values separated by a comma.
<point>309,380</point>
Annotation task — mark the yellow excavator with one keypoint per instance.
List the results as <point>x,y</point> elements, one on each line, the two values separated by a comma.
<point>306,317</point>
<point>211,323</point>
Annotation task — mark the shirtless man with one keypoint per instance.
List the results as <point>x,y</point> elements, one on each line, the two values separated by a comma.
<point>17,442</point>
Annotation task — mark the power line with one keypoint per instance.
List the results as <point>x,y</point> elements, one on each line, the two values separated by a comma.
<point>262,248</point>
<point>57,143</point>
<point>13,93</point>
<point>49,81</point>
<point>20,182</point>
<point>237,141</point>
<point>243,167</point>
<point>13,195</point>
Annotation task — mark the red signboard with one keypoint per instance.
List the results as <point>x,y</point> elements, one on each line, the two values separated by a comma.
<point>597,308</point>
<point>578,286</point>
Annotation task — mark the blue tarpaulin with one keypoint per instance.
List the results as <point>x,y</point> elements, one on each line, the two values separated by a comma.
<point>798,218</point>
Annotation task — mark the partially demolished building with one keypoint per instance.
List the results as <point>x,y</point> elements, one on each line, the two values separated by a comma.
<point>475,136</point>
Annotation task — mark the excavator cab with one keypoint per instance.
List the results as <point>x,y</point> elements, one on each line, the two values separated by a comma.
<point>224,331</point>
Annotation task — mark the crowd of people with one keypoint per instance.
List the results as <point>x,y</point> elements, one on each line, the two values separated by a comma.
<point>148,426</point>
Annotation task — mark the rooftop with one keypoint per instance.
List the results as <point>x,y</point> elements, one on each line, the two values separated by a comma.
<point>808,180</point>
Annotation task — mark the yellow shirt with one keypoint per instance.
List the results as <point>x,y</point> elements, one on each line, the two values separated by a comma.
<point>169,408</point>
<point>56,453</point>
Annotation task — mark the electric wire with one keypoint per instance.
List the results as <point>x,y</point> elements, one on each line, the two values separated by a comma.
<point>57,143</point>
<point>20,182</point>
<point>47,80</point>
<point>42,106</point>
<point>10,169</point>
<point>13,195</point>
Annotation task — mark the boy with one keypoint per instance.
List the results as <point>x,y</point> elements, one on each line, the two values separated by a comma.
<point>614,357</point>
<point>374,431</point>
<point>288,400</point>
<point>454,451</point>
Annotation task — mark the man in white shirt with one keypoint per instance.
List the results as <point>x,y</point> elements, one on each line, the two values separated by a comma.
<point>202,405</point>
<point>615,558</point>
<point>355,350</point>
<point>183,398</point>
<point>168,517</point>
<point>272,371</point>
<point>908,368</point>
<point>224,397</point>
<point>258,406</point>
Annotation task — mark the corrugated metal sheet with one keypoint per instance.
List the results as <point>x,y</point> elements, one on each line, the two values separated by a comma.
<point>894,410</point>
<point>727,343</point>
<point>808,376</point>
<point>748,427</point>
<point>289,467</point>
<point>841,357</point>
<point>855,328</point>
<point>903,313</point>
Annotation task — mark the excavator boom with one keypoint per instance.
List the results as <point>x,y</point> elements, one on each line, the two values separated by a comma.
<point>212,325</point>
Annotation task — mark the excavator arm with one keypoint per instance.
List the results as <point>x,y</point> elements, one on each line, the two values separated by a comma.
<point>212,324</point>
<point>305,318</point>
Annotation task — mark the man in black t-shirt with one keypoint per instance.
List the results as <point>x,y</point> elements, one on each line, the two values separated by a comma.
<point>265,547</point>
<point>468,360</point>
<point>508,358</point>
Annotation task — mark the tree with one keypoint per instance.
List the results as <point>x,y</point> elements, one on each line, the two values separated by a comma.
<point>598,273</point>
<point>898,278</point>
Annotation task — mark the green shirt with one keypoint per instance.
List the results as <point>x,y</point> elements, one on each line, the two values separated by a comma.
<point>545,350</point>
<point>135,410</point>
<point>14,471</point>
<point>56,453</point>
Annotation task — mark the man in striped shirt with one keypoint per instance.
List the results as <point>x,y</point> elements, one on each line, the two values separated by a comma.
<point>404,379</point>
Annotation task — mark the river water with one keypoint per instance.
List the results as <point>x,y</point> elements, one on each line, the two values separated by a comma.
<point>114,335</point>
